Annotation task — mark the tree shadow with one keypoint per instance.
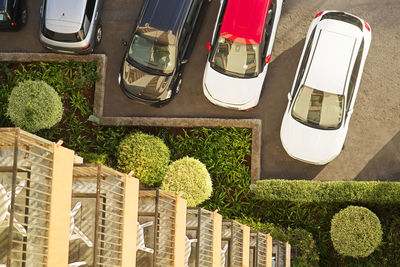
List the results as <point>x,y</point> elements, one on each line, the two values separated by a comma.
<point>385,165</point>
<point>276,163</point>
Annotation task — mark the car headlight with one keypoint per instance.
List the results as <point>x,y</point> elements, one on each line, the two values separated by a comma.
<point>119,78</point>
<point>169,93</point>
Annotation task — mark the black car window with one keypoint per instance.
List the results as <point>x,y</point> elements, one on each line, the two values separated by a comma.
<point>304,63</point>
<point>90,9</point>
<point>354,75</point>
<point>188,26</point>
<point>268,27</point>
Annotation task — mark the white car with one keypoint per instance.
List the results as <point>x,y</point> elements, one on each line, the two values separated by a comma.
<point>316,120</point>
<point>240,51</point>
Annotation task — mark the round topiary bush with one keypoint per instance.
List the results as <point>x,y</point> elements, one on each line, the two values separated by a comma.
<point>146,155</point>
<point>355,231</point>
<point>34,105</point>
<point>190,176</point>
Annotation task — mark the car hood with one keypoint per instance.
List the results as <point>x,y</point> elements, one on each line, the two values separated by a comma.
<point>230,90</point>
<point>308,144</point>
<point>144,85</point>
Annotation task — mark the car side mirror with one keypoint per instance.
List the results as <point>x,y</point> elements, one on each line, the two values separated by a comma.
<point>267,59</point>
<point>349,112</point>
<point>208,46</point>
<point>124,42</point>
<point>289,96</point>
<point>184,61</point>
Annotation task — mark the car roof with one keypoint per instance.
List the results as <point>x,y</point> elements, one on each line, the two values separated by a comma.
<point>3,5</point>
<point>330,62</point>
<point>165,15</point>
<point>244,20</point>
<point>65,16</point>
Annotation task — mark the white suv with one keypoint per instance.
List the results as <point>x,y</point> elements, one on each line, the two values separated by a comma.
<point>70,26</point>
<point>321,101</point>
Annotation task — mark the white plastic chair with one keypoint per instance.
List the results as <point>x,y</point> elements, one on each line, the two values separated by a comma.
<point>74,231</point>
<point>188,249</point>
<point>5,202</point>
<point>223,255</point>
<point>140,245</point>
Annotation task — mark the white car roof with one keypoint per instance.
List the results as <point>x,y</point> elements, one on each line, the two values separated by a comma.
<point>331,61</point>
<point>65,16</point>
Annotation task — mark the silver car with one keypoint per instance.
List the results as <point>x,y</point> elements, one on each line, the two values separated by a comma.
<point>71,26</point>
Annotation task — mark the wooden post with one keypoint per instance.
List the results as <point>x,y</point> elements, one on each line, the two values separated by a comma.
<point>130,217</point>
<point>269,250</point>
<point>287,255</point>
<point>180,231</point>
<point>60,207</point>
<point>217,238</point>
<point>246,246</point>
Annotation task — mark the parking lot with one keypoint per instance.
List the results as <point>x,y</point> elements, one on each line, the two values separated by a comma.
<point>372,148</point>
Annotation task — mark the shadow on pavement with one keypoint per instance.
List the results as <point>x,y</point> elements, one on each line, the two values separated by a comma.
<point>276,163</point>
<point>384,164</point>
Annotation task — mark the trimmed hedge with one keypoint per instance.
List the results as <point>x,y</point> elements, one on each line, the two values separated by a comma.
<point>190,176</point>
<point>317,191</point>
<point>356,232</point>
<point>146,155</point>
<point>95,158</point>
<point>34,105</point>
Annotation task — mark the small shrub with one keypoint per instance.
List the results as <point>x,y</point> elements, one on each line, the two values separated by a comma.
<point>34,105</point>
<point>146,155</point>
<point>95,158</point>
<point>190,176</point>
<point>355,231</point>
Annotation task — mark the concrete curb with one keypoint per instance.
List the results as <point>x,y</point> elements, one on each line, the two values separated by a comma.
<point>253,124</point>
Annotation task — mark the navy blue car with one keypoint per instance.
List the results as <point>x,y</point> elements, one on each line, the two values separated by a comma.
<point>13,14</point>
<point>152,65</point>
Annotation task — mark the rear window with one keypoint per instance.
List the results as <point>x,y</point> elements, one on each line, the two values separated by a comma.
<point>343,17</point>
<point>64,37</point>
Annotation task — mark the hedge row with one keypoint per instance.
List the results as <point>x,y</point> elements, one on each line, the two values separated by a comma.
<point>317,191</point>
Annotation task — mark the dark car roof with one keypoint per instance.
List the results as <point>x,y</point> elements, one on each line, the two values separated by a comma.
<point>3,5</point>
<point>165,15</point>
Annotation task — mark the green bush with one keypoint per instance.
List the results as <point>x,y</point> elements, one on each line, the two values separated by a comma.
<point>34,105</point>
<point>226,154</point>
<point>94,158</point>
<point>316,191</point>
<point>355,231</point>
<point>298,238</point>
<point>190,176</point>
<point>146,155</point>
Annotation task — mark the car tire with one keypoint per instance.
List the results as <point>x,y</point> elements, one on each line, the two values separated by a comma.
<point>99,34</point>
<point>24,17</point>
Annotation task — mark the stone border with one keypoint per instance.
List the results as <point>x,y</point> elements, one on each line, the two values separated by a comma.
<point>253,124</point>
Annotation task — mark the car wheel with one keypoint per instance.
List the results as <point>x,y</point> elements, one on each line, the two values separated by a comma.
<point>99,34</point>
<point>24,17</point>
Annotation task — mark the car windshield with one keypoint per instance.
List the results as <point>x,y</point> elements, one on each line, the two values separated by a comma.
<point>156,51</point>
<point>318,109</point>
<point>3,17</point>
<point>236,58</point>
